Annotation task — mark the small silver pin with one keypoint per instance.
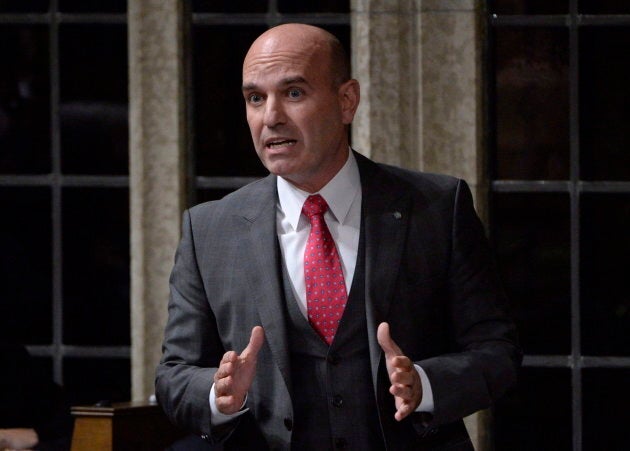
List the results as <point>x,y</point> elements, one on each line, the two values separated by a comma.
<point>397,215</point>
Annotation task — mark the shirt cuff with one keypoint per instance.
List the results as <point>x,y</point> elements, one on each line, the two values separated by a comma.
<point>217,418</point>
<point>426,404</point>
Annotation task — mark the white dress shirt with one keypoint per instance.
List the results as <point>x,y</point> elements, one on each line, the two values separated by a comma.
<point>343,196</point>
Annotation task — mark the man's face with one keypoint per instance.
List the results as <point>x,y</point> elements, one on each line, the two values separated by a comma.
<point>297,117</point>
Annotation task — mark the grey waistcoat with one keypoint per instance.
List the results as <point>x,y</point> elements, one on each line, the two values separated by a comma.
<point>333,397</point>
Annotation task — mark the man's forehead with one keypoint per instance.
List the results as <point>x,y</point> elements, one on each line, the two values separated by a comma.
<point>278,67</point>
<point>278,57</point>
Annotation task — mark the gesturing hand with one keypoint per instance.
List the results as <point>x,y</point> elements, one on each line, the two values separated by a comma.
<point>236,373</point>
<point>406,386</point>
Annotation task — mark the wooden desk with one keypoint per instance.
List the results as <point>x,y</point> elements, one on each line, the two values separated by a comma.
<point>122,427</point>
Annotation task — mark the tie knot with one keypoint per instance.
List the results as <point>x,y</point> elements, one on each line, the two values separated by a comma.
<point>314,205</point>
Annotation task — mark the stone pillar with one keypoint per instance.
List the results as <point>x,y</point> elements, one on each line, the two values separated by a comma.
<point>419,65</point>
<point>156,173</point>
<point>452,99</point>
<point>385,55</point>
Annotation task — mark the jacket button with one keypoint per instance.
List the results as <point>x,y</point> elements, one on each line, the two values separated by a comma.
<point>337,401</point>
<point>341,443</point>
<point>288,423</point>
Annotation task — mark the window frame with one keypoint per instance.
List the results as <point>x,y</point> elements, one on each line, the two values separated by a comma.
<point>575,187</point>
<point>56,181</point>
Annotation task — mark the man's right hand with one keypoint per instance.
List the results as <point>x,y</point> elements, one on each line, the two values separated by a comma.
<point>236,373</point>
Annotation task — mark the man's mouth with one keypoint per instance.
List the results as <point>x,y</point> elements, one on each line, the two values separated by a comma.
<point>281,143</point>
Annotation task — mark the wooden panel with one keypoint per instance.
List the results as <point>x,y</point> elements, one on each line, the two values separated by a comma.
<point>122,427</point>
<point>92,433</point>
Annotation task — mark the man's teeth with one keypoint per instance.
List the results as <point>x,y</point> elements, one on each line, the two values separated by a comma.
<point>285,143</point>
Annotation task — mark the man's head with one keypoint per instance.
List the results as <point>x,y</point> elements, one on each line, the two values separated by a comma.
<point>299,100</point>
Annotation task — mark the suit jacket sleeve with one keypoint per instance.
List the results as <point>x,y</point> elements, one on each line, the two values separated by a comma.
<point>191,348</point>
<point>486,357</point>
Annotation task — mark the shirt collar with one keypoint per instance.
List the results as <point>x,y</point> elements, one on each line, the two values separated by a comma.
<point>338,193</point>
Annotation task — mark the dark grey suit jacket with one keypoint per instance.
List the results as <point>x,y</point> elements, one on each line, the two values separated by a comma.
<point>428,273</point>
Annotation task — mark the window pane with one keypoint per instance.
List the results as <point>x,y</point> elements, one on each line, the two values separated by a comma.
<point>94,131</point>
<point>604,6</point>
<point>605,101</point>
<point>223,142</point>
<point>529,6</point>
<point>96,266</point>
<point>24,99</point>
<point>229,6</point>
<point>537,416</point>
<point>25,265</point>
<point>24,6</point>
<point>43,366</point>
<point>89,380</point>
<point>313,6</point>
<point>605,296</point>
<point>93,6</point>
<point>532,109</point>
<point>605,409</point>
<point>532,236</point>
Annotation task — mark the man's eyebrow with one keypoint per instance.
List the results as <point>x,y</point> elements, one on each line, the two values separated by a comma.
<point>249,87</point>
<point>283,82</point>
<point>292,80</point>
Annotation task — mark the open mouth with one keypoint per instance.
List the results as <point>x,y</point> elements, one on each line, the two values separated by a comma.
<point>281,143</point>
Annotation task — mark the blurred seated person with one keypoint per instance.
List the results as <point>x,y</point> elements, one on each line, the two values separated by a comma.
<point>33,411</point>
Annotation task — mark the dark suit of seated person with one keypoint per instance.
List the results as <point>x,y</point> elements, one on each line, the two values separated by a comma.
<point>33,411</point>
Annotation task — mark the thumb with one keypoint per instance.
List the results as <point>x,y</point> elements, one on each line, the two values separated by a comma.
<point>256,341</point>
<point>384,339</point>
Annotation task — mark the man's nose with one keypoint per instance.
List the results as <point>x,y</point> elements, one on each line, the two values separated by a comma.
<point>274,113</point>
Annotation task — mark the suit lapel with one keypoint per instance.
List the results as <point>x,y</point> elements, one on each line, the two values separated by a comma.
<point>385,210</point>
<point>264,274</point>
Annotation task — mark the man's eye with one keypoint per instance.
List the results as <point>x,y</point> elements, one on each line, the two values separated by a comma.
<point>254,98</point>
<point>295,93</point>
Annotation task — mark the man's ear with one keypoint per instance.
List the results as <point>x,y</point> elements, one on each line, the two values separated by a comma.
<point>349,96</point>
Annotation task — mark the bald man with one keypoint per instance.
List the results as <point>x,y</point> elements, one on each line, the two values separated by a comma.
<point>337,303</point>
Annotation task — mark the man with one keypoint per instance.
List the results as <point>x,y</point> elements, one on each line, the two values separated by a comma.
<point>337,303</point>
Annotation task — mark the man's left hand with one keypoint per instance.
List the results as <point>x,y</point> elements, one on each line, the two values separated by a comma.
<point>406,386</point>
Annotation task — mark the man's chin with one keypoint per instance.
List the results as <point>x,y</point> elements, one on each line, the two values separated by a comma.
<point>279,167</point>
<point>285,174</point>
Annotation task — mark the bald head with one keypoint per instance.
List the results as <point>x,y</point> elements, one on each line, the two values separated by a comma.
<point>311,42</point>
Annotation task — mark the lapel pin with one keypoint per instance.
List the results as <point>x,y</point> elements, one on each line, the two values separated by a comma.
<point>397,215</point>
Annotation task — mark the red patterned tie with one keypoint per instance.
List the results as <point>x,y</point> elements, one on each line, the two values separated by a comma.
<point>325,285</point>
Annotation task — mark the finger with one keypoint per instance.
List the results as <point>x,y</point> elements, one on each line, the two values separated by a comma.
<point>403,392</point>
<point>402,363</point>
<point>229,356</point>
<point>403,411</point>
<point>256,341</point>
<point>222,387</point>
<point>224,371</point>
<point>384,339</point>
<point>402,378</point>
